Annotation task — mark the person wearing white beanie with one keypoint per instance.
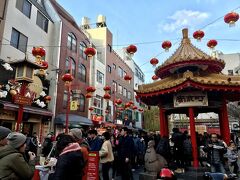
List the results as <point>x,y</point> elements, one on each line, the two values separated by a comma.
<point>12,162</point>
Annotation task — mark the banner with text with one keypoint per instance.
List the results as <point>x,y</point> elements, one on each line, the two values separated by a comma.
<point>186,99</point>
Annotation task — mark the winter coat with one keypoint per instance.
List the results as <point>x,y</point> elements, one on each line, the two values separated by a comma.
<point>187,146</point>
<point>95,144</point>
<point>47,146</point>
<point>163,148</point>
<point>126,147</point>
<point>13,165</point>
<point>106,153</point>
<point>232,155</point>
<point>70,164</point>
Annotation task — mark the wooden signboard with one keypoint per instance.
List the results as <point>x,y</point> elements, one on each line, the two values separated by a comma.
<point>18,99</point>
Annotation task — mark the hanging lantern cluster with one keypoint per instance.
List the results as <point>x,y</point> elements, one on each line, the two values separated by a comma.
<point>90,89</point>
<point>88,95</point>
<point>47,99</point>
<point>131,49</point>
<point>198,35</point>
<point>107,89</point>
<point>67,78</point>
<point>107,96</point>
<point>91,109</point>
<point>212,43</point>
<point>154,61</point>
<point>166,45</point>
<point>38,52</point>
<point>134,108</point>
<point>127,105</point>
<point>118,101</point>
<point>154,77</point>
<point>90,52</point>
<point>231,18</point>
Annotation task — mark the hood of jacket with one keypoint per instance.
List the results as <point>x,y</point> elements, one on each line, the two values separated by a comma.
<point>70,148</point>
<point>6,150</point>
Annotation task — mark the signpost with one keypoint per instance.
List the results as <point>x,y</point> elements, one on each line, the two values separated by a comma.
<point>93,166</point>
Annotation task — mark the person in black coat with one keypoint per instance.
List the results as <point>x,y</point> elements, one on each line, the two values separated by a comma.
<point>70,161</point>
<point>125,153</point>
<point>47,145</point>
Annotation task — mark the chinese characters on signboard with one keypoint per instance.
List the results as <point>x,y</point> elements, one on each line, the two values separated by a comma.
<point>186,99</point>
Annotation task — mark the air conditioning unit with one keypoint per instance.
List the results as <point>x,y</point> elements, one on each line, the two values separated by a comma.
<point>235,126</point>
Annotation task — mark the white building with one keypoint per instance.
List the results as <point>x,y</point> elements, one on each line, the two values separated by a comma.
<point>26,24</point>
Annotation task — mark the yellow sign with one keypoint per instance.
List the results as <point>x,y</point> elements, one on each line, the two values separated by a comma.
<point>74,105</point>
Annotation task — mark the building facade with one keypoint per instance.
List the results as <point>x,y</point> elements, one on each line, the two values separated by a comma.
<point>24,25</point>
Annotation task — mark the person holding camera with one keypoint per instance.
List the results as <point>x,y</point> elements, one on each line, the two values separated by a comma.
<point>216,150</point>
<point>12,162</point>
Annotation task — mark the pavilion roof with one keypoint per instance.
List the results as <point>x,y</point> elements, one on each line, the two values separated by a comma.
<point>188,55</point>
<point>220,80</point>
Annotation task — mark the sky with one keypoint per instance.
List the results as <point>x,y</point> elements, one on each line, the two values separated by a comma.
<point>147,23</point>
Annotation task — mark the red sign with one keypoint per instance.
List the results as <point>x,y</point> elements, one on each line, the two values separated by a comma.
<point>18,99</point>
<point>93,166</point>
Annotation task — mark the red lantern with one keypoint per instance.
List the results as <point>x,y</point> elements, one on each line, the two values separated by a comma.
<point>166,45</point>
<point>107,96</point>
<point>120,109</point>
<point>106,111</point>
<point>38,51</point>
<point>231,18</point>
<point>154,61</point>
<point>67,78</point>
<point>90,52</point>
<point>198,35</point>
<point>90,89</point>
<point>127,105</point>
<point>91,109</point>
<point>212,43</point>
<point>131,102</point>
<point>127,77</point>
<point>44,64</point>
<point>131,49</point>
<point>88,95</point>
<point>134,108</point>
<point>47,99</point>
<point>140,110</point>
<point>154,77</point>
<point>118,101</point>
<point>107,88</point>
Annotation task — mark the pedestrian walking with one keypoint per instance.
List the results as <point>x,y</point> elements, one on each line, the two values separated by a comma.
<point>12,163</point>
<point>95,142</point>
<point>232,155</point>
<point>47,145</point>
<point>70,162</point>
<point>106,155</point>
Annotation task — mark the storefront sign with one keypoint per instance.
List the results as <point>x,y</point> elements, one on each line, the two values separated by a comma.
<point>73,105</point>
<point>18,99</point>
<point>93,166</point>
<point>186,99</point>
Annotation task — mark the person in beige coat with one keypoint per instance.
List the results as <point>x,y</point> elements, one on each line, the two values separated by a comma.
<point>106,155</point>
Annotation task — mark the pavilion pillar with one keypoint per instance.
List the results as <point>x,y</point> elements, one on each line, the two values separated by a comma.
<point>162,123</point>
<point>225,123</point>
<point>220,117</point>
<point>166,125</point>
<point>193,137</point>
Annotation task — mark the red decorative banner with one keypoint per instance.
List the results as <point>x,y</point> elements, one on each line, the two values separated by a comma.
<point>93,166</point>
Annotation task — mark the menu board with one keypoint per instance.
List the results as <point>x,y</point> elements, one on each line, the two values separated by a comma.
<point>93,166</point>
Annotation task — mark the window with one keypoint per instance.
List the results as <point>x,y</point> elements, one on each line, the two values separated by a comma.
<point>42,21</point>
<point>120,71</point>
<point>82,47</point>
<point>125,92</point>
<point>82,72</point>
<point>82,103</point>
<point>114,86</point>
<point>109,69</point>
<point>73,64</point>
<point>114,66</point>
<point>24,6</point>
<point>65,97</point>
<point>18,40</point>
<point>72,42</point>
<point>100,77</point>
<point>129,95</point>
<point>230,72</point>
<point>109,48</point>
<point>120,89</point>
<point>100,57</point>
<point>98,104</point>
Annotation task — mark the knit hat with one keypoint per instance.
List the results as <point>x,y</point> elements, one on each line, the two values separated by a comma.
<point>16,139</point>
<point>4,132</point>
<point>77,133</point>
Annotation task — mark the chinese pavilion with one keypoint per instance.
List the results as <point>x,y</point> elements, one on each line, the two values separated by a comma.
<point>191,82</point>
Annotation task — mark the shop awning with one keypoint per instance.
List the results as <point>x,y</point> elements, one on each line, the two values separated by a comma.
<point>28,109</point>
<point>74,120</point>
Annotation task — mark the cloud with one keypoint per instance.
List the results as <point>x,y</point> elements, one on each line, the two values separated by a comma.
<point>183,18</point>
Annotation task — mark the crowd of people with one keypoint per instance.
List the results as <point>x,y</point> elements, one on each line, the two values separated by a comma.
<point>122,151</point>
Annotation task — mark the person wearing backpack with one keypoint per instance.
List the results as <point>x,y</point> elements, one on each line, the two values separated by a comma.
<point>70,162</point>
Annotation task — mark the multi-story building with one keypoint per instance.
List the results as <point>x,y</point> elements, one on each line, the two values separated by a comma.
<point>109,69</point>
<point>72,56</point>
<point>139,79</point>
<point>23,25</point>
